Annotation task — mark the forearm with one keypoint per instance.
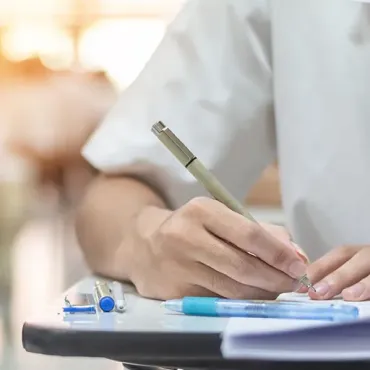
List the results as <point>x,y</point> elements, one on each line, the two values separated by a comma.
<point>106,217</point>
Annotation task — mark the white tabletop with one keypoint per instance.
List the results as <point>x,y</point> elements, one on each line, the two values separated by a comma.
<point>142,315</point>
<point>189,338</point>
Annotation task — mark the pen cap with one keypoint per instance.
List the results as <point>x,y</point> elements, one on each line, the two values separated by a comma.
<point>103,296</point>
<point>173,143</point>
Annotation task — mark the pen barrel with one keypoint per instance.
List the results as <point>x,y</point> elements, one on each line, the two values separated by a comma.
<point>80,309</point>
<point>119,297</point>
<point>103,296</point>
<point>216,189</point>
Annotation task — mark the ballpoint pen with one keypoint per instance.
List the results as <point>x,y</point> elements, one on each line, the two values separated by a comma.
<point>119,296</point>
<point>205,177</point>
<point>204,306</point>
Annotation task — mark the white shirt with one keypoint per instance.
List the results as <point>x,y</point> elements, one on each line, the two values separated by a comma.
<point>242,82</point>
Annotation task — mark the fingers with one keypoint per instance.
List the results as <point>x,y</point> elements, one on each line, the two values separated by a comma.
<point>329,263</point>
<point>176,290</point>
<point>192,291</point>
<point>358,292</point>
<point>282,234</point>
<point>241,267</point>
<point>326,265</point>
<point>352,271</point>
<point>251,237</point>
<point>224,286</point>
<point>279,232</point>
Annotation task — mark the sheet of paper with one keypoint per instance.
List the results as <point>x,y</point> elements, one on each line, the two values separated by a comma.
<point>364,307</point>
<point>292,339</point>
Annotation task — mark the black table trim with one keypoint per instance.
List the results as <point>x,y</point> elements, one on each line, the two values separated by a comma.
<point>170,349</point>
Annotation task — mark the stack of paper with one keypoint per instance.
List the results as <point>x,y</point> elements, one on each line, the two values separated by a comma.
<point>278,339</point>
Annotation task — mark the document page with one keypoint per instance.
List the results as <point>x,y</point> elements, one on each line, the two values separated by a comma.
<point>290,339</point>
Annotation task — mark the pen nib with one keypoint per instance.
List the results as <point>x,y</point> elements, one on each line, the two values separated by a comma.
<point>304,280</point>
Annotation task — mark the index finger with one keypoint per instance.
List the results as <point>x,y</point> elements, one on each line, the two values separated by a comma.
<point>252,238</point>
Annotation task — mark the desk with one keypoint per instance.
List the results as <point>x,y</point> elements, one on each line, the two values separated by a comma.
<point>143,335</point>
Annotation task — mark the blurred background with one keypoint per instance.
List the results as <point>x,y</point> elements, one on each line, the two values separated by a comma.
<point>62,65</point>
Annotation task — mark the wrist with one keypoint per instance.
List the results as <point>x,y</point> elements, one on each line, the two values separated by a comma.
<point>133,251</point>
<point>149,219</point>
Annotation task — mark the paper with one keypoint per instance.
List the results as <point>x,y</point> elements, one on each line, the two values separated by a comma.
<point>279,339</point>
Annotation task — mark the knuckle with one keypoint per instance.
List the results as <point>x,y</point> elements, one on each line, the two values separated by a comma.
<point>235,292</point>
<point>243,268</point>
<point>172,231</point>
<point>199,201</point>
<point>196,206</point>
<point>279,257</point>
<point>219,284</point>
<point>252,233</point>
<point>214,282</point>
<point>275,229</point>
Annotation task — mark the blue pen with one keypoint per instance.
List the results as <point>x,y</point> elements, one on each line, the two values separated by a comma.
<point>79,309</point>
<point>204,306</point>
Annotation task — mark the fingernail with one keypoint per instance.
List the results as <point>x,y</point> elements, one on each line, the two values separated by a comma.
<point>297,269</point>
<point>321,288</point>
<point>355,291</point>
<point>302,257</point>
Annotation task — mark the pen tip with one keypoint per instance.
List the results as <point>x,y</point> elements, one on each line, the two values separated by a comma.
<point>312,288</point>
<point>304,280</point>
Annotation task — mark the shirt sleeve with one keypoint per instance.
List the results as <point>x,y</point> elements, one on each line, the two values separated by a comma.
<point>210,82</point>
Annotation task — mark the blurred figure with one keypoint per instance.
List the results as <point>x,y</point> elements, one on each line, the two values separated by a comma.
<point>48,118</point>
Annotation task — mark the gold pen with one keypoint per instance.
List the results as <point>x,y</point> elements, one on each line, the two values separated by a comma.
<point>204,176</point>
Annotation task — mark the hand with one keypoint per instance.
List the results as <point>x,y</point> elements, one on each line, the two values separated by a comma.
<point>344,271</point>
<point>201,249</point>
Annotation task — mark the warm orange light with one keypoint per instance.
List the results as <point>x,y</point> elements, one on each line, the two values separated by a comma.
<point>53,45</point>
<point>121,47</point>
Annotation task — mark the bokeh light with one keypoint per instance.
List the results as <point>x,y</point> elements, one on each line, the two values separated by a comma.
<point>121,47</point>
<point>53,45</point>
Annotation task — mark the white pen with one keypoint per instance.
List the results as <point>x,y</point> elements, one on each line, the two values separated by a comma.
<point>119,297</point>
